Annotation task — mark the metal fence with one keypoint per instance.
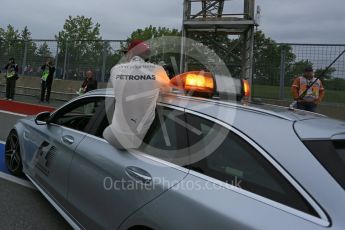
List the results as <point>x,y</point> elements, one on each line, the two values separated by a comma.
<point>276,65</point>
<point>72,59</point>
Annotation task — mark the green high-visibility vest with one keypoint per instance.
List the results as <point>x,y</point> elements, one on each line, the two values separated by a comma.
<point>10,73</point>
<point>45,75</point>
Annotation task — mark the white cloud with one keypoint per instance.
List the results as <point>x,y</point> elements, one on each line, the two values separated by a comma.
<point>307,21</point>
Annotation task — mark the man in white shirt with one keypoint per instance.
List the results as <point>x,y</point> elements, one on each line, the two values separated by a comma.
<point>137,85</point>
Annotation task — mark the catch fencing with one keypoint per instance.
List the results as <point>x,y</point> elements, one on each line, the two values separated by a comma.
<point>274,68</point>
<point>71,58</point>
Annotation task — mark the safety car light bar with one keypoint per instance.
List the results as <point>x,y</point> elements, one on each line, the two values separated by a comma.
<point>195,81</point>
<point>206,84</point>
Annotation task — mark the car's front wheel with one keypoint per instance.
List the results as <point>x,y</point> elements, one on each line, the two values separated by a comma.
<point>13,159</point>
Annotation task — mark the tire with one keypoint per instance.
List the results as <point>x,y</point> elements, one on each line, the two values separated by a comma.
<point>13,158</point>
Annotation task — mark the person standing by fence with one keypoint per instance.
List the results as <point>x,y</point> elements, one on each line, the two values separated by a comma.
<point>314,94</point>
<point>47,80</point>
<point>89,83</point>
<point>11,78</point>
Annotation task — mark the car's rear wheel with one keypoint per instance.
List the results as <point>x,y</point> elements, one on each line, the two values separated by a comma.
<point>13,159</point>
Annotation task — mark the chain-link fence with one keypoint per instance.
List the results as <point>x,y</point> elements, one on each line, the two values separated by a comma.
<point>72,58</point>
<point>276,65</point>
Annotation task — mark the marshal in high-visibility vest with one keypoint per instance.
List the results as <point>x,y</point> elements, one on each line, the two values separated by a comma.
<point>10,73</point>
<point>45,75</point>
<point>307,100</point>
<point>11,77</point>
<point>47,80</point>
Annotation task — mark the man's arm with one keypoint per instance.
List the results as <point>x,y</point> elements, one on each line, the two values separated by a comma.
<point>16,69</point>
<point>295,88</point>
<point>163,80</point>
<point>321,93</point>
<point>52,70</point>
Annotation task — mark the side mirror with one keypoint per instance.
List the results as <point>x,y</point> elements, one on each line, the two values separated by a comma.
<point>42,118</point>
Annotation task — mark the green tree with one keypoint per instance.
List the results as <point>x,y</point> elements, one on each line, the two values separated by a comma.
<point>44,51</point>
<point>325,75</point>
<point>79,28</point>
<point>2,31</point>
<point>153,32</point>
<point>267,59</point>
<point>220,44</point>
<point>10,45</point>
<point>26,40</point>
<point>13,43</point>
<point>295,69</point>
<point>11,34</point>
<point>158,46</point>
<point>81,37</point>
<point>267,54</point>
<point>25,34</point>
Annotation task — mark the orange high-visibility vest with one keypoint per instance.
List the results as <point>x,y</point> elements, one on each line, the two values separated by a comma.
<point>313,93</point>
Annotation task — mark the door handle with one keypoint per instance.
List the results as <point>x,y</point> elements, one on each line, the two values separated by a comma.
<point>26,135</point>
<point>139,174</point>
<point>68,139</point>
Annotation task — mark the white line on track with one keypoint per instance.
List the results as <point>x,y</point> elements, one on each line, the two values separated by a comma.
<point>12,113</point>
<point>17,180</point>
<point>14,179</point>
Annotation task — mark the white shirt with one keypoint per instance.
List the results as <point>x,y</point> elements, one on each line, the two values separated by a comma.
<point>136,88</point>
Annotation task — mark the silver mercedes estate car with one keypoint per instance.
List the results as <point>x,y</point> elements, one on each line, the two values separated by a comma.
<point>205,163</point>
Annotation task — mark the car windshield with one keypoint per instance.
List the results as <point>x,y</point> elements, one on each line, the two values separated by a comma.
<point>331,154</point>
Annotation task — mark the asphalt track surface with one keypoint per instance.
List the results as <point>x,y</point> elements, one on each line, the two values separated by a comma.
<point>21,205</point>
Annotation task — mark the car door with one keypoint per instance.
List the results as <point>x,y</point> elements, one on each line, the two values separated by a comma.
<point>107,184</point>
<point>241,185</point>
<point>232,184</point>
<point>56,142</point>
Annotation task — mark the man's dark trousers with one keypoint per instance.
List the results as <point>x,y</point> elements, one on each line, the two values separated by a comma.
<point>308,106</point>
<point>46,86</point>
<point>10,87</point>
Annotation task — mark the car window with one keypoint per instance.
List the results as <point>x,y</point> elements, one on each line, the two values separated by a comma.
<point>78,114</point>
<point>331,154</point>
<point>236,162</point>
<point>107,114</point>
<point>167,136</point>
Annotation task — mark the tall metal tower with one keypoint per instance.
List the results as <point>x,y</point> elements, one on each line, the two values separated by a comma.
<point>208,16</point>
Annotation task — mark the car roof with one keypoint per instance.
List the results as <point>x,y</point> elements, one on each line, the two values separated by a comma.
<point>209,106</point>
<point>321,128</point>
